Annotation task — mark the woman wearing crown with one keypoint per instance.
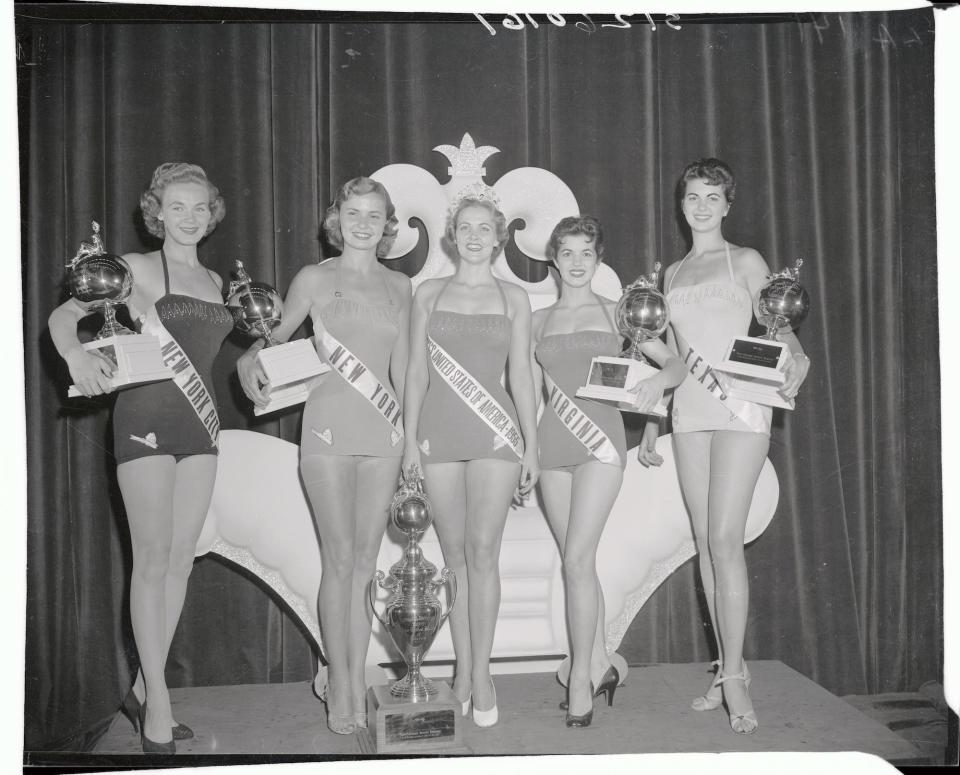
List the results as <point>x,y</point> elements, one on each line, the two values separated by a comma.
<point>475,444</point>
<point>720,442</point>
<point>350,443</point>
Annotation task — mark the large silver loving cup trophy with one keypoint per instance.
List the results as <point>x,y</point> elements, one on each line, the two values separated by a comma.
<point>290,367</point>
<point>753,366</point>
<point>102,282</point>
<point>642,314</point>
<point>415,713</point>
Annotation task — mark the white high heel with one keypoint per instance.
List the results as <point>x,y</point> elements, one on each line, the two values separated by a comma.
<point>741,723</point>
<point>465,706</point>
<point>487,718</point>
<point>710,701</point>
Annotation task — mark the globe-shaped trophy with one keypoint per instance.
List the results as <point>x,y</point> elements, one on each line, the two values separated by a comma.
<point>290,367</point>
<point>783,301</point>
<point>101,281</point>
<point>642,314</point>
<point>414,713</point>
<point>753,367</point>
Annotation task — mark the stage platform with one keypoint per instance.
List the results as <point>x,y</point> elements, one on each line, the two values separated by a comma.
<point>651,714</point>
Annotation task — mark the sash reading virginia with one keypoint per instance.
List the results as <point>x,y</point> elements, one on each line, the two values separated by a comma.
<point>472,393</point>
<point>576,421</point>
<point>365,382</point>
<point>185,375</point>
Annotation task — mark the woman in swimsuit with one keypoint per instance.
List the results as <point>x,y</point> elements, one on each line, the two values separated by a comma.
<point>350,444</point>
<point>719,445</point>
<point>474,441</point>
<point>166,457</point>
<point>583,446</point>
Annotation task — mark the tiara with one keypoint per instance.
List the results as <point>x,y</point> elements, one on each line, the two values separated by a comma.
<point>477,191</point>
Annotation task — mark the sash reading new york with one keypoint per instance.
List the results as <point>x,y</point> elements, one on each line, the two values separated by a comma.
<point>365,382</point>
<point>584,430</point>
<point>472,393</point>
<point>185,375</point>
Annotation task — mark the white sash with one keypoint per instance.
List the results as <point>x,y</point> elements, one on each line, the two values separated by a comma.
<point>701,370</point>
<point>185,374</point>
<point>358,376</point>
<point>580,425</point>
<point>473,394</point>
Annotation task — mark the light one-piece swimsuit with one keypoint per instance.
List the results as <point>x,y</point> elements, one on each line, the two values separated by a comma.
<point>337,419</point>
<point>707,316</point>
<point>449,430</point>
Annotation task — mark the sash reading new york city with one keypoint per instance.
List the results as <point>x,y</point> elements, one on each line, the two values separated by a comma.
<point>472,393</point>
<point>358,376</point>
<point>583,429</point>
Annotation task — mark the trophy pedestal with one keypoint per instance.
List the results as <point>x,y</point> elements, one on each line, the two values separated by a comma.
<point>290,368</point>
<point>397,725</point>
<point>611,378</point>
<point>137,359</point>
<point>752,370</point>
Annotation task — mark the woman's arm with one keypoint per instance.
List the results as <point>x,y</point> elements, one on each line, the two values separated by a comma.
<point>417,377</point>
<point>536,327</point>
<point>520,375</point>
<point>296,307</point>
<point>89,369</point>
<point>401,347</point>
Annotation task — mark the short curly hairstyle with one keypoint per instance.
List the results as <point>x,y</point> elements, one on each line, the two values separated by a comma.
<point>359,187</point>
<point>499,220</point>
<point>586,225</point>
<point>151,200</point>
<point>714,172</point>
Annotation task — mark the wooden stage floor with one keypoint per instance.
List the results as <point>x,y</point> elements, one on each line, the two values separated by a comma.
<point>651,714</point>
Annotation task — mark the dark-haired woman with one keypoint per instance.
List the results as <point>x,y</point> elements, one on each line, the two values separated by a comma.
<point>352,434</point>
<point>166,454</point>
<point>583,446</point>
<point>720,445</point>
<point>475,442</point>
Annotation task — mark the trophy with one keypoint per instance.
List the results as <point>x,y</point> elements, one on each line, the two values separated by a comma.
<point>753,366</point>
<point>642,314</point>
<point>102,282</point>
<point>290,367</point>
<point>415,713</point>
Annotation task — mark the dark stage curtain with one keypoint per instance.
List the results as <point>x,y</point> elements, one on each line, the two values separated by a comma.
<point>828,123</point>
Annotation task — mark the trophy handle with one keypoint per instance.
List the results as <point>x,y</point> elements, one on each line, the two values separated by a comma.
<point>449,579</point>
<point>378,580</point>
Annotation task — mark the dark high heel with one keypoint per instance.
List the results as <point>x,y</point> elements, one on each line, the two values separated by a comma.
<point>608,685</point>
<point>150,746</point>
<point>584,720</point>
<point>130,707</point>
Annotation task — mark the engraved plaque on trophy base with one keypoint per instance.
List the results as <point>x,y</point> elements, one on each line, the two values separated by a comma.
<point>752,370</point>
<point>290,368</point>
<point>401,726</point>
<point>137,359</point>
<point>611,378</point>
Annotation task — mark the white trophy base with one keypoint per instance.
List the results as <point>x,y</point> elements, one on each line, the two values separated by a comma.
<point>752,370</point>
<point>137,357</point>
<point>290,369</point>
<point>611,378</point>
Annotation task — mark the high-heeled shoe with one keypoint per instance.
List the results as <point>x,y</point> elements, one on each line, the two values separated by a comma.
<point>360,719</point>
<point>338,723</point>
<point>587,718</point>
<point>712,699</point>
<point>487,718</point>
<point>465,705</point>
<point>741,723</point>
<point>130,707</point>
<point>151,746</point>
<point>608,685</point>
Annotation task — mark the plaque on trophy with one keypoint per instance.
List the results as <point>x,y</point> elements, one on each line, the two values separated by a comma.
<point>290,367</point>
<point>414,714</point>
<point>102,282</point>
<point>752,368</point>
<point>642,314</point>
